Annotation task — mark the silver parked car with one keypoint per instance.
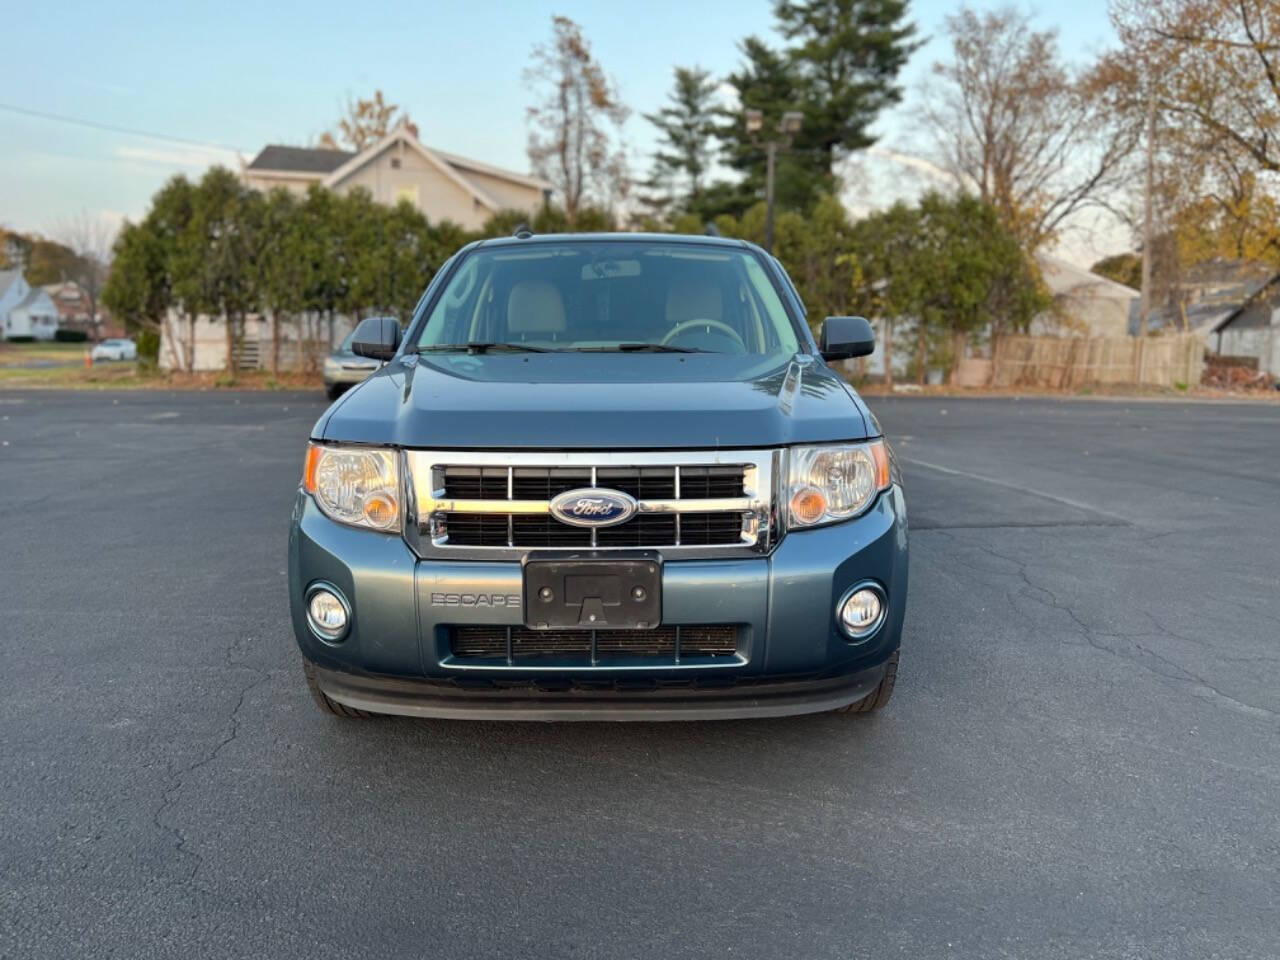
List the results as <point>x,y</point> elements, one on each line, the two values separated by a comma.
<point>343,369</point>
<point>118,349</point>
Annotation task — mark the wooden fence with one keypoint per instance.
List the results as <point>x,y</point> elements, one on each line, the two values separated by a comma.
<point>1071,362</point>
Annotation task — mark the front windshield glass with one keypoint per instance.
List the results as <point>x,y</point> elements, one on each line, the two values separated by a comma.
<point>611,296</point>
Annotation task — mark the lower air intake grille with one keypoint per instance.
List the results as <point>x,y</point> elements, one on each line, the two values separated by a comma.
<point>490,643</point>
<point>493,530</point>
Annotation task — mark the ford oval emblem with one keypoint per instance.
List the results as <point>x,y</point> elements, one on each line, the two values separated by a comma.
<point>593,507</point>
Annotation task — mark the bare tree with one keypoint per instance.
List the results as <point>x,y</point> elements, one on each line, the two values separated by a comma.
<point>572,143</point>
<point>364,123</point>
<point>90,237</point>
<point>1016,125</point>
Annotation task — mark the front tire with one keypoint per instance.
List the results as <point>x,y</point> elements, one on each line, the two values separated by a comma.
<point>332,707</point>
<point>333,390</point>
<point>878,698</point>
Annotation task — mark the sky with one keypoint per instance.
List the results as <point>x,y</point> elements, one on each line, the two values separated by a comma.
<point>233,76</point>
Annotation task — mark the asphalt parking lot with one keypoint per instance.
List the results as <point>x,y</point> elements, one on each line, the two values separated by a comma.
<point>1082,758</point>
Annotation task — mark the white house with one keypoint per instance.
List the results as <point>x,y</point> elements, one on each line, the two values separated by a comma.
<point>1093,305</point>
<point>444,186</point>
<point>25,311</point>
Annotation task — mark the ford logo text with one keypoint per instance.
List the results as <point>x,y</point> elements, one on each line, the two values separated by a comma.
<point>593,507</point>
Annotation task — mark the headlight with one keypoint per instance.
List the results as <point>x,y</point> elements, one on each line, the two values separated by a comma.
<point>355,485</point>
<point>831,483</point>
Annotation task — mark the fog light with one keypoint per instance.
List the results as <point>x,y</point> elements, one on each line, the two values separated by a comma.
<point>327,614</point>
<point>861,611</point>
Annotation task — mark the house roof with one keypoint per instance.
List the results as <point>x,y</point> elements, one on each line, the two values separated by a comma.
<point>34,296</point>
<point>1228,287</point>
<point>1065,278</point>
<point>469,164</point>
<point>1201,317</point>
<point>7,279</point>
<point>299,159</point>
<point>333,166</point>
<point>1235,314</point>
<point>402,134</point>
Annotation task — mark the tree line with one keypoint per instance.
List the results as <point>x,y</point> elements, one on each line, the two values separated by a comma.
<point>221,250</point>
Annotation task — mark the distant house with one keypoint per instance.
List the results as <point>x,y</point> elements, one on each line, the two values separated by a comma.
<point>1206,295</point>
<point>398,167</point>
<point>1091,304</point>
<point>1252,329</point>
<point>74,309</point>
<point>25,311</point>
<point>1086,305</point>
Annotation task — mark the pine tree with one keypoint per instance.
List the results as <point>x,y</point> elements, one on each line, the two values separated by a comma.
<point>840,72</point>
<point>686,129</point>
<point>767,81</point>
<point>848,54</point>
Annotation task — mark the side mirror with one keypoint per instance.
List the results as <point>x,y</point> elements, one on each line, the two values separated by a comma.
<point>845,337</point>
<point>377,338</point>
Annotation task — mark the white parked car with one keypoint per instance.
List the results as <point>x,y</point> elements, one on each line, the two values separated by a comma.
<point>121,349</point>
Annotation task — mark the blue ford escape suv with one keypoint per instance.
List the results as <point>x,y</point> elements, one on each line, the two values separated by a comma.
<point>601,477</point>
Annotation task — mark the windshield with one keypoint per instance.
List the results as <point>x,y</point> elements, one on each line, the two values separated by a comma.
<point>611,296</point>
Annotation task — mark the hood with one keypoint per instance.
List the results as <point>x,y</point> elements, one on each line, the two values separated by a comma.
<point>569,401</point>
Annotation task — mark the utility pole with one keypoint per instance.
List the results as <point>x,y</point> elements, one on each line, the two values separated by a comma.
<point>1147,214</point>
<point>771,154</point>
<point>788,127</point>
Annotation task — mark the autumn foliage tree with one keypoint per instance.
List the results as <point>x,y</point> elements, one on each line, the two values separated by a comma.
<point>1210,72</point>
<point>576,121</point>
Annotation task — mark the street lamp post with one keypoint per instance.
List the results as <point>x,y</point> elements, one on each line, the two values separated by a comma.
<point>787,128</point>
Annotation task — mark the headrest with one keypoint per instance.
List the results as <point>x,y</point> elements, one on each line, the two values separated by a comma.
<point>535,306</point>
<point>693,300</point>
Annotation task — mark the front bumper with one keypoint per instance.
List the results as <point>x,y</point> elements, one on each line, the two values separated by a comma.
<point>540,700</point>
<point>792,658</point>
<point>337,374</point>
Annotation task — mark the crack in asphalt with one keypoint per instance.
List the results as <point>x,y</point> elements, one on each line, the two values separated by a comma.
<point>1199,687</point>
<point>177,781</point>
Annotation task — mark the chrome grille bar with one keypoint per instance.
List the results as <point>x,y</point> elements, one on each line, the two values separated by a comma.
<point>511,520</point>
<point>595,537</point>
<point>677,489</point>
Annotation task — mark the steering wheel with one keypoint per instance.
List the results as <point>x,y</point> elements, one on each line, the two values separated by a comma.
<point>718,325</point>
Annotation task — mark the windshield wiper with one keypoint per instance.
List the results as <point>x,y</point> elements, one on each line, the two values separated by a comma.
<point>641,348</point>
<point>482,346</point>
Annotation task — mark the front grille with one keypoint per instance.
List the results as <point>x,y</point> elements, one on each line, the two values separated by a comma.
<point>516,644</point>
<point>721,500</point>
<point>544,483</point>
<point>644,530</point>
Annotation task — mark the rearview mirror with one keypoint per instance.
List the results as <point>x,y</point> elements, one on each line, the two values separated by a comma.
<point>845,337</point>
<point>377,338</point>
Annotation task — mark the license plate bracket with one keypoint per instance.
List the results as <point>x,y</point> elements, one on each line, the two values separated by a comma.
<point>593,593</point>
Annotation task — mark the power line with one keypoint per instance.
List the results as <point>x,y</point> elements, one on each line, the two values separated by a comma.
<point>95,125</point>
